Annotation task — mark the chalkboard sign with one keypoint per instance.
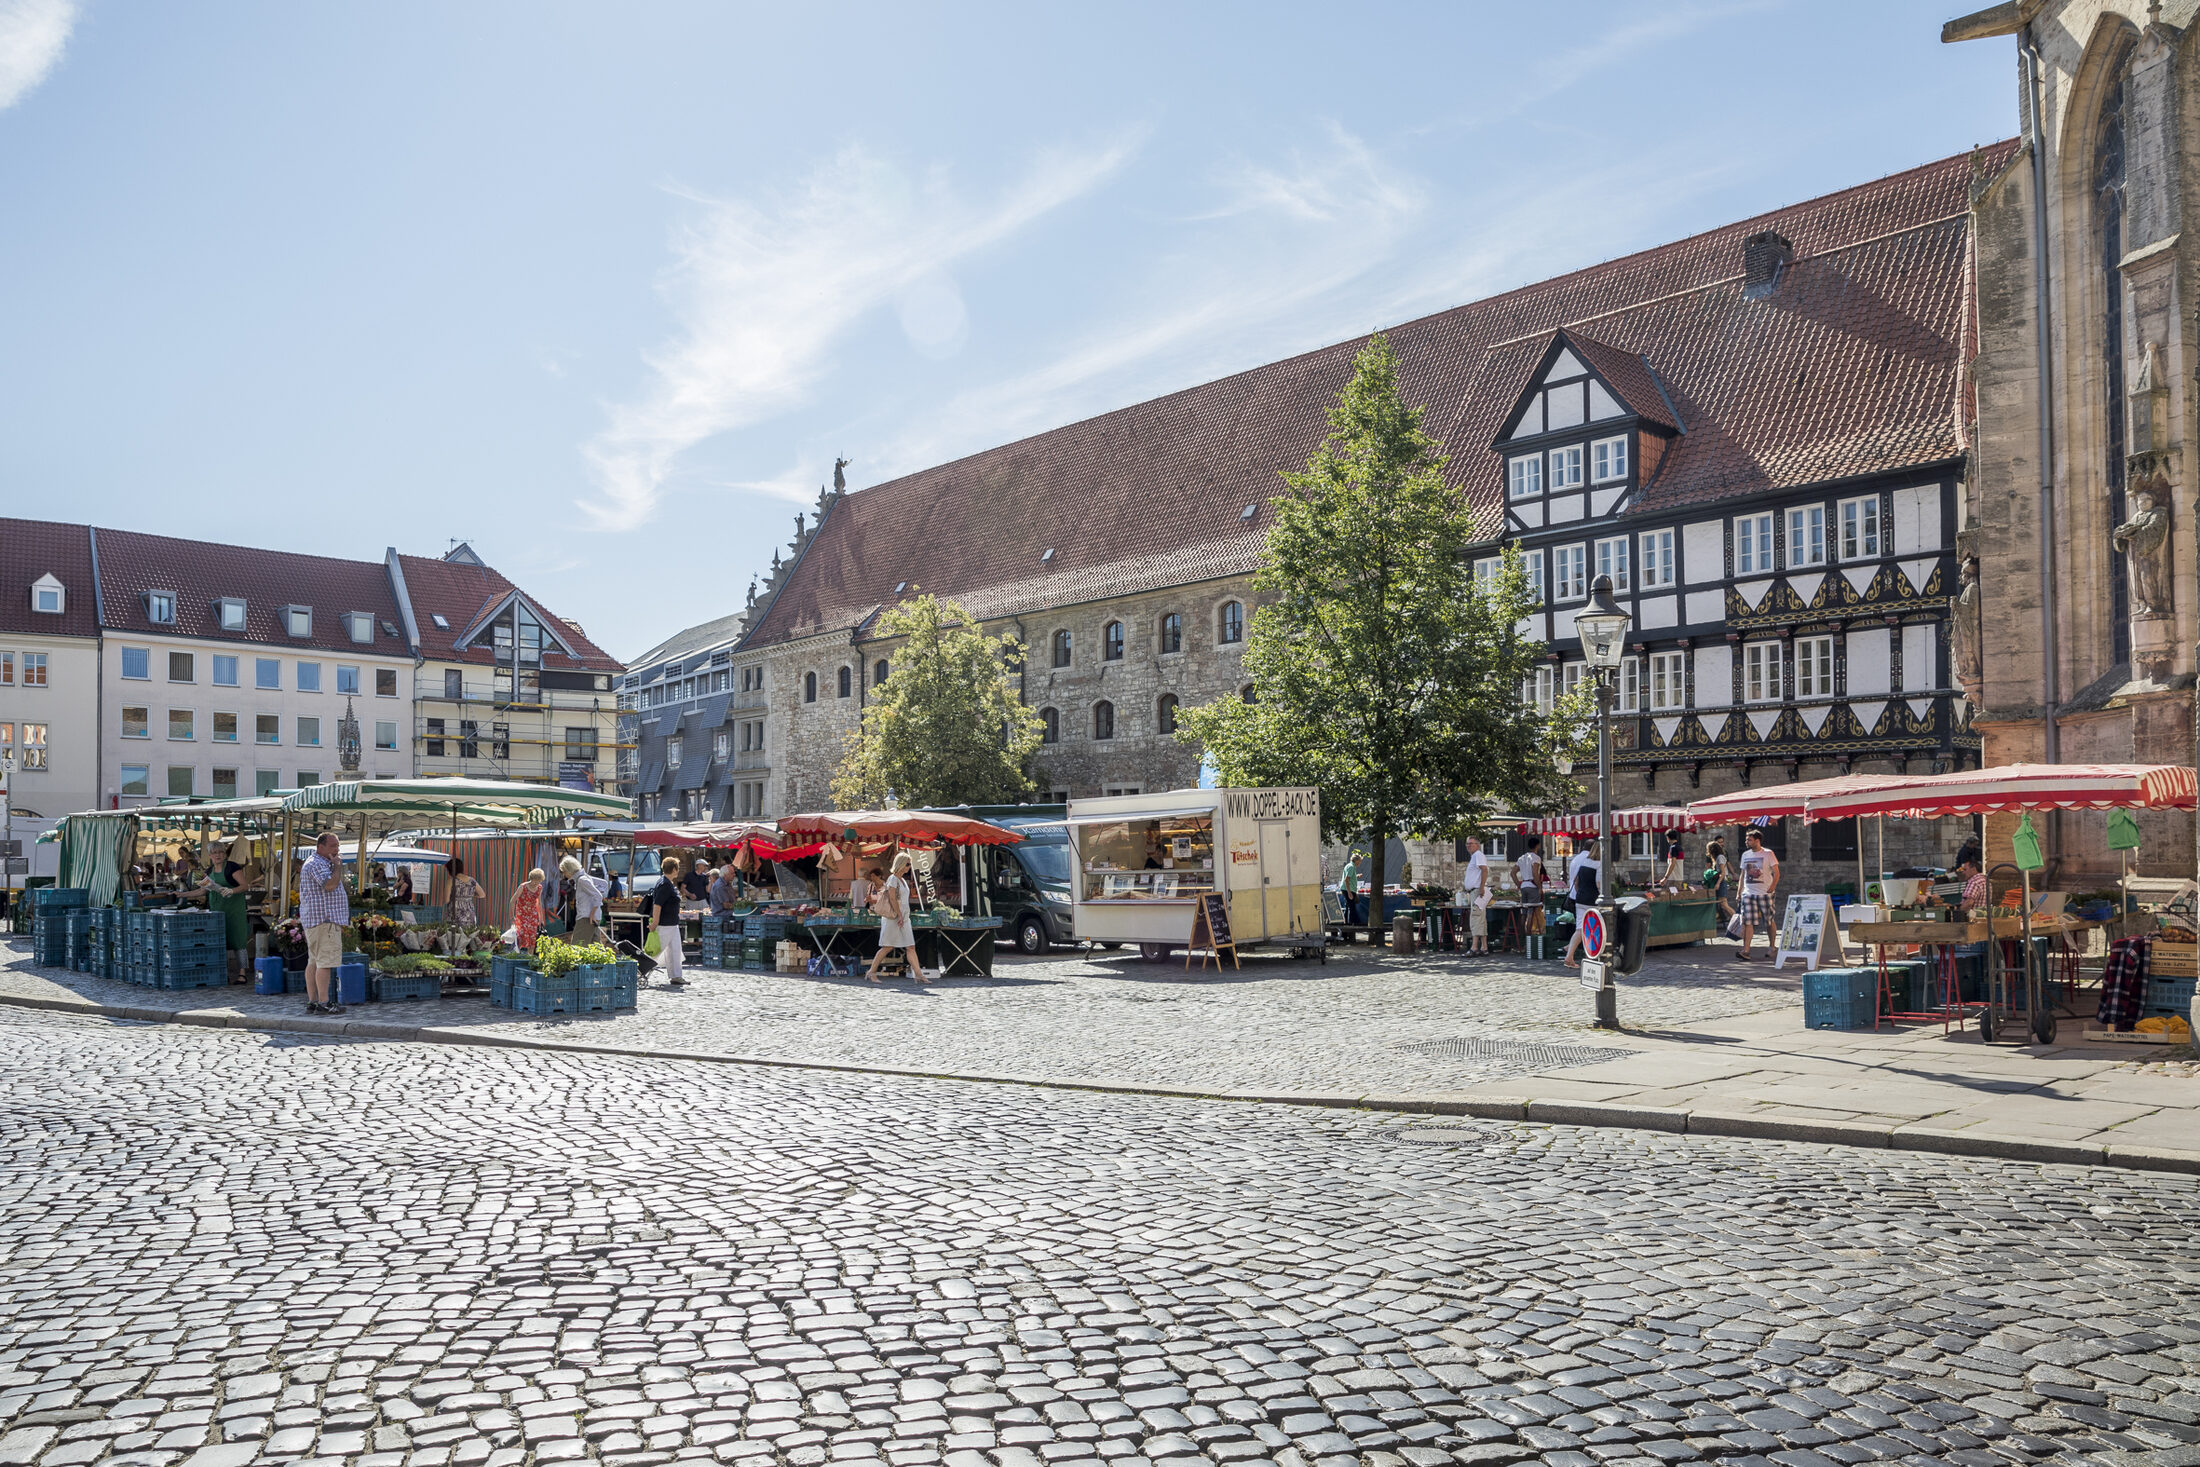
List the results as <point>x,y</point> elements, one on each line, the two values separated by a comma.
<point>1211,930</point>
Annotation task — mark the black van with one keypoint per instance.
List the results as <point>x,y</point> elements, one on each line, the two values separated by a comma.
<point>1029,886</point>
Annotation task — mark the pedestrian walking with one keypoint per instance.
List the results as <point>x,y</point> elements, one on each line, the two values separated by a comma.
<point>1760,887</point>
<point>1474,895</point>
<point>466,895</point>
<point>664,920</point>
<point>894,930</point>
<point>1348,887</point>
<point>324,911</point>
<point>527,911</point>
<point>1584,880</point>
<point>1529,865</point>
<point>1718,878</point>
<point>585,896</point>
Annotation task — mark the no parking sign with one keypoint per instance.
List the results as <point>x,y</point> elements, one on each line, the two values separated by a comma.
<point>1592,932</point>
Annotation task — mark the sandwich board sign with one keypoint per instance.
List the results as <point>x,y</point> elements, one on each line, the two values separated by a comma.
<point>1806,930</point>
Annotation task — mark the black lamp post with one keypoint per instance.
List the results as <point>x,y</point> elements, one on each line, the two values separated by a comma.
<point>1603,631</point>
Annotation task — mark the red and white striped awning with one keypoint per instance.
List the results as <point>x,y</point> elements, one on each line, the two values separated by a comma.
<point>1778,801</point>
<point>1624,822</point>
<point>2019,787</point>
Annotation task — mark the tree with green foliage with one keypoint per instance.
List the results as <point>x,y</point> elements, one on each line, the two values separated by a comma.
<point>1383,670</point>
<point>946,727</point>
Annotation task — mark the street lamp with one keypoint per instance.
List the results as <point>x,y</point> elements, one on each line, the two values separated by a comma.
<point>1603,631</point>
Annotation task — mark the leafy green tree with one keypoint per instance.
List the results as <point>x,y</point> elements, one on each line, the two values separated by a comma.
<point>946,727</point>
<point>1382,669</point>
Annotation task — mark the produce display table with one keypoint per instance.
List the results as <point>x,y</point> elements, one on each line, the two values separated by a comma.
<point>949,943</point>
<point>1676,920</point>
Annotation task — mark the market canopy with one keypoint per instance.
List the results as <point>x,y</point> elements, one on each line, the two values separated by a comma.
<point>1779,801</point>
<point>486,801</point>
<point>1624,822</point>
<point>724,835</point>
<point>959,830</point>
<point>2019,787</point>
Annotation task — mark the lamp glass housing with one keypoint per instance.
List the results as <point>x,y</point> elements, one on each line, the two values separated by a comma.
<point>1602,627</point>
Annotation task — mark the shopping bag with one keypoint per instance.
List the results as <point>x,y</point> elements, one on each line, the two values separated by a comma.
<point>655,944</point>
<point>1734,925</point>
<point>2025,845</point>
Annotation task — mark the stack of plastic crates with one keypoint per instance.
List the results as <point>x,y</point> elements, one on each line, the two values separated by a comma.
<point>721,945</point>
<point>402,987</point>
<point>504,971</point>
<point>606,987</point>
<point>174,948</point>
<point>759,935</point>
<point>76,929</point>
<point>105,924</point>
<point>2168,996</point>
<point>1841,998</point>
<point>50,906</point>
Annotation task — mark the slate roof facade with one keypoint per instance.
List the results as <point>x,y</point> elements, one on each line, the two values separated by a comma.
<point>200,573</point>
<point>1851,364</point>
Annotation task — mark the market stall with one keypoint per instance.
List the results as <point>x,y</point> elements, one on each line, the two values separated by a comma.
<point>1679,913</point>
<point>953,938</point>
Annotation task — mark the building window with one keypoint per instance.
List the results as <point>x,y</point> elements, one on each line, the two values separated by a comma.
<point>721,744</point>
<point>309,733</point>
<point>229,612</point>
<point>34,669</point>
<point>1612,561</point>
<point>1111,642</point>
<point>1540,691</point>
<point>1569,572</point>
<point>1524,476</point>
<point>307,778</point>
<point>7,669</point>
<point>1532,560</point>
<point>267,672</point>
<point>182,667</point>
<point>1807,535</point>
<point>1103,720</point>
<point>673,750</point>
<point>1761,672</point>
<point>309,677</point>
<point>182,724</point>
<point>225,728</point>
<point>1608,459</point>
<point>347,679</point>
<point>385,735</point>
<point>1061,649</point>
<point>1247,695</point>
<point>1668,681</point>
<point>225,670</point>
<point>878,673</point>
<point>298,620</point>
<point>1172,633</point>
<point>160,607</point>
<point>385,682</point>
<point>1232,623</point>
<point>34,746</point>
<point>137,663</point>
<point>809,687</point>
<point>1050,726</point>
<point>266,781</point>
<point>225,784</point>
<point>1627,697</point>
<point>434,735</point>
<point>48,595</point>
<point>580,745</point>
<point>1860,528</point>
<point>1566,467</point>
<point>1833,840</point>
<point>137,723</point>
<point>500,741</point>
<point>1814,667</point>
<point>180,779</point>
<point>454,683</point>
<point>1657,559</point>
<point>1164,714</point>
<point>1570,675</point>
<point>133,779</point>
<point>267,728</point>
<point>1642,845</point>
<point>846,682</point>
<point>362,626</point>
<point>469,738</point>
<point>1753,545</point>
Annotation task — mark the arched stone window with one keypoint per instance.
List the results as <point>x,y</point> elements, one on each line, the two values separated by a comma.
<point>809,687</point>
<point>1111,642</point>
<point>847,681</point>
<point>1061,649</point>
<point>1172,633</point>
<point>1103,720</point>
<point>1051,726</point>
<point>1164,714</point>
<point>1230,623</point>
<point>878,674</point>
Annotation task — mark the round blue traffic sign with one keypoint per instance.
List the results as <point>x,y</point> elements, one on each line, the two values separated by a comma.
<point>1592,932</point>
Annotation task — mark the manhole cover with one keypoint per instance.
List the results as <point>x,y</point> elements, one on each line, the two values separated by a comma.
<point>1513,1053</point>
<point>1440,1136</point>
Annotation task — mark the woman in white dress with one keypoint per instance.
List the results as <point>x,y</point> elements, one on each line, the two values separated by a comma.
<point>894,931</point>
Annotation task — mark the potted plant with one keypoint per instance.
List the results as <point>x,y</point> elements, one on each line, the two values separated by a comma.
<point>288,938</point>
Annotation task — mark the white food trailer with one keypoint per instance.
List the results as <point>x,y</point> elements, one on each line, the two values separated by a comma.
<point>1142,863</point>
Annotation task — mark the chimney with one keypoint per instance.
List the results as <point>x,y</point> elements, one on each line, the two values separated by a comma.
<point>1764,256</point>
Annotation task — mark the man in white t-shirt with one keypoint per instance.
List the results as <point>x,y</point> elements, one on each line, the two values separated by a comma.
<point>1760,889</point>
<point>1474,895</point>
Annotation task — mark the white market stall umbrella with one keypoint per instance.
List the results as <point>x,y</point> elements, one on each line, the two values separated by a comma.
<point>401,802</point>
<point>1624,822</point>
<point>2011,787</point>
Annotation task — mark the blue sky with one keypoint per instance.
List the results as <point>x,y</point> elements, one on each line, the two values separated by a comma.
<point>605,288</point>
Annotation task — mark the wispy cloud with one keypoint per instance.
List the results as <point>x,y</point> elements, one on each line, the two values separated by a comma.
<point>764,289</point>
<point>33,34</point>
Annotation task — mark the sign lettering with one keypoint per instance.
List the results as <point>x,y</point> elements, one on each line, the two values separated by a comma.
<point>1271,804</point>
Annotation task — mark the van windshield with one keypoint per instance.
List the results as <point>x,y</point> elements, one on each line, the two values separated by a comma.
<point>614,862</point>
<point>1048,864</point>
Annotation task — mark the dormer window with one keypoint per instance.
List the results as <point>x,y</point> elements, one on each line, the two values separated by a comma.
<point>1566,467</point>
<point>361,626</point>
<point>229,612</point>
<point>298,620</point>
<point>49,596</point>
<point>1524,476</point>
<point>160,608</point>
<point>1608,459</point>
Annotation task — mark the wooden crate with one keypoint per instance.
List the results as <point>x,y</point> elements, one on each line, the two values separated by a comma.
<point>2174,960</point>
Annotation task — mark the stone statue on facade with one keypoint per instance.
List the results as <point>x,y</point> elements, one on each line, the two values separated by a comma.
<point>840,475</point>
<point>2143,539</point>
<point>1965,632</point>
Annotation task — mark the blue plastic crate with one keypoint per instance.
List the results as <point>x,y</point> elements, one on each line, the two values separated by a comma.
<point>553,996</point>
<point>2168,996</point>
<point>405,987</point>
<point>500,993</point>
<point>294,980</point>
<point>193,980</point>
<point>506,966</point>
<point>1841,998</point>
<point>59,896</point>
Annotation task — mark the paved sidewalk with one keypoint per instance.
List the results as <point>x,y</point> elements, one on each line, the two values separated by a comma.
<point>1714,1048</point>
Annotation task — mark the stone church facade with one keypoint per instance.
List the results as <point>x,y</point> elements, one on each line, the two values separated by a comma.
<point>2078,641</point>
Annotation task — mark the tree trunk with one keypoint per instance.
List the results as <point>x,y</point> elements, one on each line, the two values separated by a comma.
<point>1375,853</point>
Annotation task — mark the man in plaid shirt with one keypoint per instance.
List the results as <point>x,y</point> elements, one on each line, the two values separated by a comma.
<point>324,911</point>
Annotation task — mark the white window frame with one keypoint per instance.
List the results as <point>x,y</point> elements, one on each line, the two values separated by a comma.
<point>1573,587</point>
<point>1814,667</point>
<point>1565,470</point>
<point>1642,845</point>
<point>1806,536</point>
<point>214,670</point>
<point>1668,682</point>
<point>1627,697</point>
<point>361,626</point>
<point>1657,560</point>
<point>1486,569</point>
<point>1570,675</point>
<point>1524,476</point>
<point>1541,690</point>
<point>1753,545</point>
<point>298,621</point>
<point>136,677</point>
<point>1862,533</point>
<point>1763,671</point>
<point>49,585</point>
<point>229,614</point>
<point>1608,459</point>
<point>160,607</point>
<point>1533,560</point>
<point>298,671</point>
<point>1616,559</point>
<point>136,774</point>
<point>260,677</point>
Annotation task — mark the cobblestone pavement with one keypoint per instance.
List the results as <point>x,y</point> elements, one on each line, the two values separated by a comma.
<point>219,1247</point>
<point>1356,1025</point>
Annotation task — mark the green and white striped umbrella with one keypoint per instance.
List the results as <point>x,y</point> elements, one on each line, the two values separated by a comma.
<point>485,801</point>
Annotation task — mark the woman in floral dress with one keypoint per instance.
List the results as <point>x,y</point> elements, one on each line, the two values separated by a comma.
<point>466,896</point>
<point>527,910</point>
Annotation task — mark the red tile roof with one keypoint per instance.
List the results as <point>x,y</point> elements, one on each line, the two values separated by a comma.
<point>1849,366</point>
<point>30,550</point>
<point>202,572</point>
<point>1630,377</point>
<point>460,592</point>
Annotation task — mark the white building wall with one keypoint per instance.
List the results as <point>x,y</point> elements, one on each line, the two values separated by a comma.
<point>64,706</point>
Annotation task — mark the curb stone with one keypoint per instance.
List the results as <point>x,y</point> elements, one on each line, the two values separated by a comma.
<point>1517,1109</point>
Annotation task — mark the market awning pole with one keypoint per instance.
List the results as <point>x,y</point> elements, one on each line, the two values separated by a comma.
<point>359,872</point>
<point>282,863</point>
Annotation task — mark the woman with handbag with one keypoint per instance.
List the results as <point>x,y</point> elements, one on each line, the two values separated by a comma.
<point>894,930</point>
